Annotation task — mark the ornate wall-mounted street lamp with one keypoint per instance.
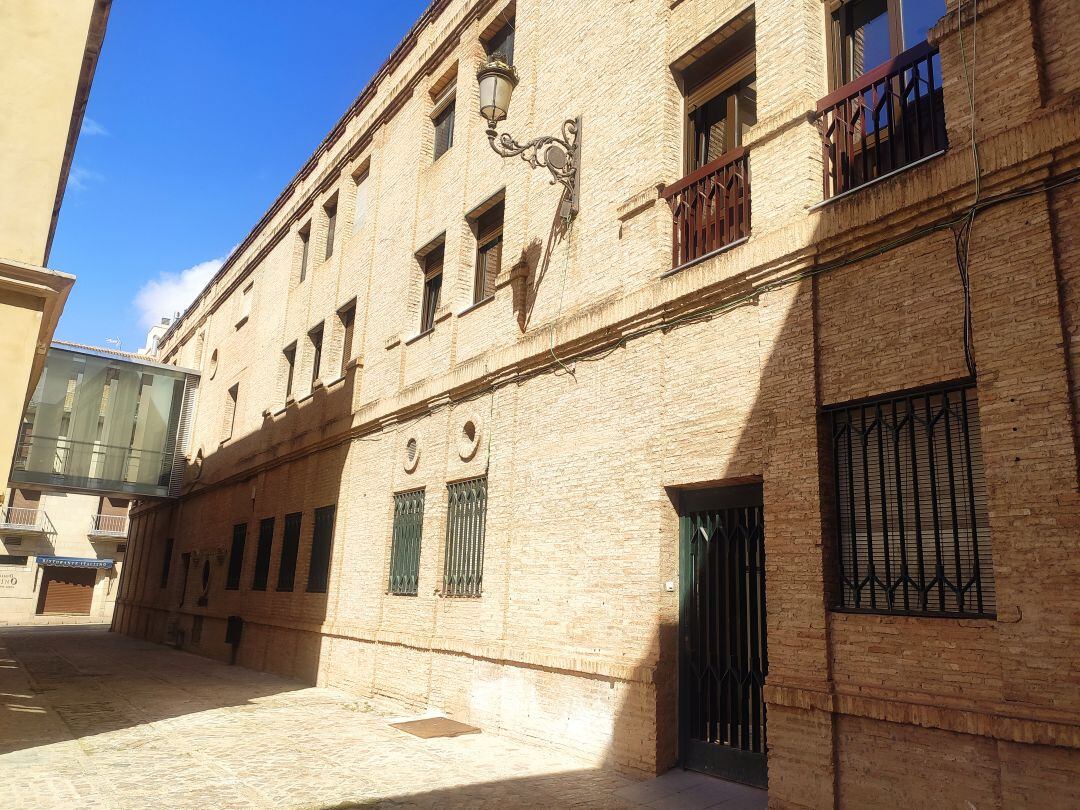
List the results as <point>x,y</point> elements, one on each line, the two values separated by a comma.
<point>560,156</point>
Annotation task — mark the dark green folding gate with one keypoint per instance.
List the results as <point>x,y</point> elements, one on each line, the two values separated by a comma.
<point>723,659</point>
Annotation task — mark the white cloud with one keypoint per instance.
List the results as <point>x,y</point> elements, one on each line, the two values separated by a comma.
<point>79,178</point>
<point>91,127</point>
<point>173,292</point>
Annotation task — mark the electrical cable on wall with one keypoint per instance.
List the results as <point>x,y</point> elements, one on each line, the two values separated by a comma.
<point>962,234</point>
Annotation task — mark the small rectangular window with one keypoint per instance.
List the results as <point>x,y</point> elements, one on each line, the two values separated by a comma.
<point>913,534</point>
<point>405,543</point>
<point>489,247</point>
<point>290,544</point>
<point>331,225</point>
<point>236,557</point>
<point>13,559</point>
<point>360,213</point>
<point>229,416</point>
<point>348,320</point>
<point>463,568</point>
<point>322,542</point>
<point>433,277</point>
<point>305,245</point>
<point>166,563</point>
<point>262,554</point>
<point>502,42</point>
<point>443,121</point>
<point>316,338</point>
<point>290,368</point>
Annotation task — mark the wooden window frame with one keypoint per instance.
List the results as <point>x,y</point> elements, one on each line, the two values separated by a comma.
<point>838,22</point>
<point>431,292</point>
<point>445,109</point>
<point>726,81</point>
<point>507,32</point>
<point>486,241</point>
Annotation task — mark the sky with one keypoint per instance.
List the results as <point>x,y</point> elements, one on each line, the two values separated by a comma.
<point>200,113</point>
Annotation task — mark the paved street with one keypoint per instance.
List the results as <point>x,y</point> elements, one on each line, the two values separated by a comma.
<point>92,719</point>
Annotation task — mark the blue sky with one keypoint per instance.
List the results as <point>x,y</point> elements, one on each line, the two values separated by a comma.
<point>200,112</point>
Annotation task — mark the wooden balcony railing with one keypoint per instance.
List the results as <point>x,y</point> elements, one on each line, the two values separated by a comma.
<point>887,119</point>
<point>710,207</point>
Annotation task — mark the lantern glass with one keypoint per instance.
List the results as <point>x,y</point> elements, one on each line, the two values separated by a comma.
<point>497,81</point>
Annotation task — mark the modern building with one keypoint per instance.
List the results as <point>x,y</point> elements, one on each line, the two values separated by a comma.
<point>48,54</point>
<point>764,463</point>
<point>102,427</point>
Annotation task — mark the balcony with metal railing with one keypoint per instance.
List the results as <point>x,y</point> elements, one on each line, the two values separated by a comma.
<point>109,526</point>
<point>888,119</point>
<point>710,208</point>
<point>23,520</point>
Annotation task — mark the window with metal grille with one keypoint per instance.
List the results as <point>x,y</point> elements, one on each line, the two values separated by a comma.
<point>322,542</point>
<point>236,557</point>
<point>463,570</point>
<point>912,529</point>
<point>405,544</point>
<point>262,554</point>
<point>290,544</point>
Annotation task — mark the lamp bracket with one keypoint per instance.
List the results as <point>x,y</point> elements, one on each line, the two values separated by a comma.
<point>560,156</point>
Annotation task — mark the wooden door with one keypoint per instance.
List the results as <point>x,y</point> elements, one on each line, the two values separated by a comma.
<point>66,590</point>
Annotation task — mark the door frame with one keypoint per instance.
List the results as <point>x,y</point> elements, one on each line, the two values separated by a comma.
<point>727,763</point>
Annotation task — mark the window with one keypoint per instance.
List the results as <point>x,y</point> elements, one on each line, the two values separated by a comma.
<point>867,33</point>
<point>305,256</point>
<point>236,557</point>
<point>433,272</point>
<point>290,368</point>
<point>262,554</point>
<point>463,569</point>
<point>185,569</point>
<point>489,242</point>
<point>443,120</point>
<point>348,319</point>
<point>13,559</point>
<point>360,213</point>
<point>405,544</point>
<point>229,416</point>
<point>166,562</point>
<point>322,542</point>
<point>245,305</point>
<point>502,42</point>
<point>331,225</point>
<point>290,544</point>
<point>316,336</point>
<point>912,527</point>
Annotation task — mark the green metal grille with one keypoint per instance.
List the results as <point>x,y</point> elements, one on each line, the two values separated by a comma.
<point>463,573</point>
<point>405,549</point>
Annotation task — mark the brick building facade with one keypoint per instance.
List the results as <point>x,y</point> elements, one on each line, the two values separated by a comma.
<point>389,409</point>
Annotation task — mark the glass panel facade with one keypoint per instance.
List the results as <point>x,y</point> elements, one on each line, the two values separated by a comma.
<point>103,424</point>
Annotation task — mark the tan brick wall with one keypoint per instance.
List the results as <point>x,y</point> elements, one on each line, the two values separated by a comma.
<point>575,639</point>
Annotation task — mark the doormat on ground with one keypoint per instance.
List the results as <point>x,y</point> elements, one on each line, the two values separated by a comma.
<point>429,727</point>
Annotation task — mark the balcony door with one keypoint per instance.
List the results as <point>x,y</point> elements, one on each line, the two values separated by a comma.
<point>867,33</point>
<point>720,108</point>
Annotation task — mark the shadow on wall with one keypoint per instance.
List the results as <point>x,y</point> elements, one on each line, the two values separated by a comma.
<point>278,627</point>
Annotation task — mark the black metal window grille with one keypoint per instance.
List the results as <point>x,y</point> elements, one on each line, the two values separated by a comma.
<point>912,528</point>
<point>290,544</point>
<point>236,557</point>
<point>262,554</point>
<point>463,571</point>
<point>322,542</point>
<point>405,546</point>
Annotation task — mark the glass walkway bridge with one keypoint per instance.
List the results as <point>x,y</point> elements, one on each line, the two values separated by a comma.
<point>108,424</point>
